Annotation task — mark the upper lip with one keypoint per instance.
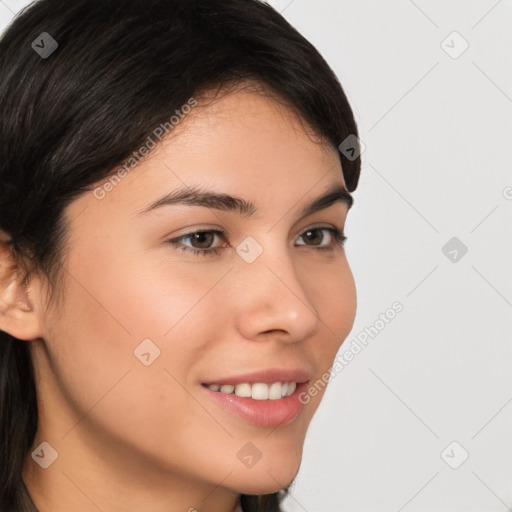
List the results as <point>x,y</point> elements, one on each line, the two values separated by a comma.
<point>267,375</point>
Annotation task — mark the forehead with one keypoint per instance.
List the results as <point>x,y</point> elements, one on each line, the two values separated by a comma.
<point>248,135</point>
<point>253,109</point>
<point>243,143</point>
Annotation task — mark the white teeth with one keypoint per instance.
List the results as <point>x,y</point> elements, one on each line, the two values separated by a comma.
<point>260,391</point>
<point>243,390</point>
<point>257,391</point>
<point>227,388</point>
<point>274,391</point>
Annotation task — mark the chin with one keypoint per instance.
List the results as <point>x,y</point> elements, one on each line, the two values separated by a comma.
<point>268,477</point>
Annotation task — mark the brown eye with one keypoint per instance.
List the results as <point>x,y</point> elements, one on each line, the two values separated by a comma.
<point>317,235</point>
<point>203,240</point>
<point>199,242</point>
<point>313,235</point>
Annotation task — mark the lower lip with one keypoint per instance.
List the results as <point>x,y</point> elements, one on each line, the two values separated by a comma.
<point>264,413</point>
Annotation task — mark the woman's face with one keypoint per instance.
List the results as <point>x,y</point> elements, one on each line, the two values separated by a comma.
<point>145,323</point>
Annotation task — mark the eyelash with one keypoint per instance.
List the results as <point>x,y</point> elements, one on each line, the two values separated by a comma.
<point>339,241</point>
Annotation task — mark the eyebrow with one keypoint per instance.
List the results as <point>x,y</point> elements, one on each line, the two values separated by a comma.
<point>195,196</point>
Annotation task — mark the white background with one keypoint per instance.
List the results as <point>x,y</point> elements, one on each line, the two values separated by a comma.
<point>437,164</point>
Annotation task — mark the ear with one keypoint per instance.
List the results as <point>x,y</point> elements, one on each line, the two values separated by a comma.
<point>18,314</point>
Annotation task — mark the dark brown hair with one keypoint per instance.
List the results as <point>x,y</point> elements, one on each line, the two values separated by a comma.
<point>122,68</point>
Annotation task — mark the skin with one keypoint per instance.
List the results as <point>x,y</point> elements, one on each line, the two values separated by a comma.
<point>131,437</point>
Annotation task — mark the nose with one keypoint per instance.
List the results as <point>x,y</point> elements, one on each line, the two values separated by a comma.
<point>271,300</point>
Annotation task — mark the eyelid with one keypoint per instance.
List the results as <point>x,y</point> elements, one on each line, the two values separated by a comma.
<point>336,233</point>
<point>198,229</point>
<point>214,228</point>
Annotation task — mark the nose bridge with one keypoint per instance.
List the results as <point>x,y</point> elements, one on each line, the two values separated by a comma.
<point>270,294</point>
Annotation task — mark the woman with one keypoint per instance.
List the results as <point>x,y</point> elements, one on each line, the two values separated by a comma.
<point>173,280</point>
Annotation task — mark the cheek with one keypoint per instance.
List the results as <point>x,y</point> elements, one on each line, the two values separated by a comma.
<point>333,292</point>
<point>111,394</point>
<point>110,307</point>
<point>340,300</point>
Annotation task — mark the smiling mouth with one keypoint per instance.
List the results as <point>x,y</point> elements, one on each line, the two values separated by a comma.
<point>257,390</point>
